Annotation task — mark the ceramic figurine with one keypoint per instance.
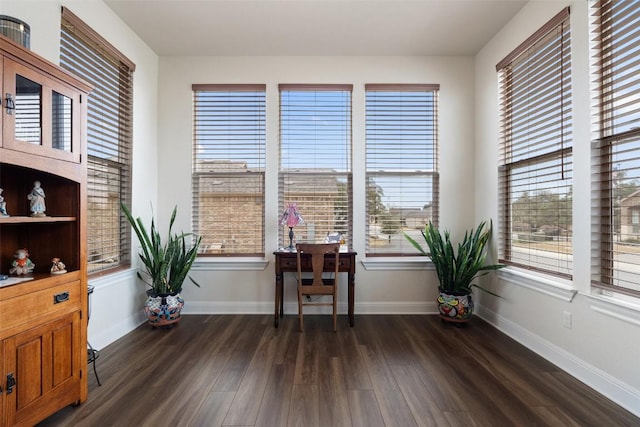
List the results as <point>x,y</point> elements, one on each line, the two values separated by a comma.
<point>22,264</point>
<point>36,197</point>
<point>3,205</point>
<point>57,266</point>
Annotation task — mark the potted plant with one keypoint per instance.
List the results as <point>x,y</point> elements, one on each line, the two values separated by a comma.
<point>166,266</point>
<point>457,269</point>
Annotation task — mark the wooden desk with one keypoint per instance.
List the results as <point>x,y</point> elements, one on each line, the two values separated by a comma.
<point>287,261</point>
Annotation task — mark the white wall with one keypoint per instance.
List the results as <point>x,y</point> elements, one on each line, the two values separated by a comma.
<point>600,349</point>
<point>377,291</point>
<point>117,300</point>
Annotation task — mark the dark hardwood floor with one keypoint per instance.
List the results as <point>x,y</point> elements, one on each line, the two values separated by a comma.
<point>238,370</point>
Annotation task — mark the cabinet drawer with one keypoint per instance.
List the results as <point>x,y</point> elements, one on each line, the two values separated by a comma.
<point>40,305</point>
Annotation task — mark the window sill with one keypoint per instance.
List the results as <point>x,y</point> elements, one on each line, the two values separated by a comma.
<point>615,307</point>
<point>552,286</point>
<point>233,264</point>
<point>397,263</point>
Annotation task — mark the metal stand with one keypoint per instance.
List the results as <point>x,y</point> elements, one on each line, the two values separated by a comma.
<point>92,354</point>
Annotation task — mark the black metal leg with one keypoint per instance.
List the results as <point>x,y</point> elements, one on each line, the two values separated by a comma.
<point>92,355</point>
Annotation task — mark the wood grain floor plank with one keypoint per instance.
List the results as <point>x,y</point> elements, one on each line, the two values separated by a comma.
<point>245,406</point>
<point>386,371</point>
<point>555,417</point>
<point>519,370</point>
<point>439,378</point>
<point>585,405</point>
<point>308,357</point>
<point>332,393</point>
<point>240,354</point>
<point>213,410</point>
<point>274,408</point>
<point>461,419</point>
<point>305,406</point>
<point>421,403</point>
<point>365,411</point>
<point>391,401</point>
<point>496,400</point>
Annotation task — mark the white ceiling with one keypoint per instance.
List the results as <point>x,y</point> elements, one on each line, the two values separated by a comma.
<point>315,27</point>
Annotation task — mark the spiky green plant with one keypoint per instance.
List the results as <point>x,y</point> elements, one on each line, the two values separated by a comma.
<point>457,270</point>
<point>166,264</point>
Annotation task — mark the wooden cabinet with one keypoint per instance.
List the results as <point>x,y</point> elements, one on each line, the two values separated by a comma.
<point>43,320</point>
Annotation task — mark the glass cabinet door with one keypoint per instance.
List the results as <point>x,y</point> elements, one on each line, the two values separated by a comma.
<point>27,111</point>
<point>61,122</point>
<point>39,114</point>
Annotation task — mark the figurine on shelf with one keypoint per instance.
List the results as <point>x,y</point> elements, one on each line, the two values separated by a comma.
<point>57,266</point>
<point>3,205</point>
<point>36,197</point>
<point>22,264</point>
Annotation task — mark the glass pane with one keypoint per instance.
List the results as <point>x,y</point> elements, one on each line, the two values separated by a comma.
<point>229,212</point>
<point>61,122</point>
<point>398,204</point>
<point>625,207</point>
<point>27,111</point>
<point>541,201</point>
<point>106,224</point>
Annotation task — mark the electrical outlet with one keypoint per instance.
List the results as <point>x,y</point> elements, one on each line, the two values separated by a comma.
<point>566,319</point>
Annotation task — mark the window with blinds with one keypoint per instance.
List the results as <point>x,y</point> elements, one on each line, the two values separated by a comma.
<point>109,123</point>
<point>315,160</point>
<point>535,165</point>
<point>616,153</point>
<point>401,165</point>
<point>228,168</point>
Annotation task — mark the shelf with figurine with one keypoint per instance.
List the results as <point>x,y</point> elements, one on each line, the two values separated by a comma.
<point>23,269</point>
<point>36,200</point>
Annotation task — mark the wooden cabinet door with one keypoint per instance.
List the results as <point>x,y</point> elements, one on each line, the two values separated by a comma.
<point>2,110</point>
<point>2,384</point>
<point>45,365</point>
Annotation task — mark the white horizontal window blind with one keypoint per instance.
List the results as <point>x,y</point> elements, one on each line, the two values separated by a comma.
<point>109,123</point>
<point>315,160</point>
<point>616,153</point>
<point>535,165</point>
<point>401,165</point>
<point>229,141</point>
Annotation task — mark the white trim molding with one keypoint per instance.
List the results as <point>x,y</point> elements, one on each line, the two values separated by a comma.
<point>615,307</point>
<point>554,287</point>
<point>229,263</point>
<point>291,308</point>
<point>397,263</point>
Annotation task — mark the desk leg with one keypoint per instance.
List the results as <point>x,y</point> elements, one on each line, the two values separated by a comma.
<point>352,281</point>
<point>279,309</point>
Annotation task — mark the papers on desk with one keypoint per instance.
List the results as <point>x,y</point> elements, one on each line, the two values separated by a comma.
<point>343,248</point>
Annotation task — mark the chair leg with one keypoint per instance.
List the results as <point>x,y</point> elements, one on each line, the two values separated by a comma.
<point>335,316</point>
<point>300,323</point>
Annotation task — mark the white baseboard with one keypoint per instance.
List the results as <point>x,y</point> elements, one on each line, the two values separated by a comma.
<point>611,387</point>
<point>252,307</point>
<point>115,330</point>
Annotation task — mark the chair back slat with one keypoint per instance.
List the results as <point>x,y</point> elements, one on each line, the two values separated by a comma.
<point>318,285</point>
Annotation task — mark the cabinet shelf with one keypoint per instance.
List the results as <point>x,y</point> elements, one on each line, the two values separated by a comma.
<point>35,220</point>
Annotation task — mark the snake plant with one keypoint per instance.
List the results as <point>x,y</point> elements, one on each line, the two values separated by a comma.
<point>166,264</point>
<point>457,270</point>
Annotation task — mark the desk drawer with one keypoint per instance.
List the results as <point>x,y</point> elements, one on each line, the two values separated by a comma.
<point>40,304</point>
<point>291,264</point>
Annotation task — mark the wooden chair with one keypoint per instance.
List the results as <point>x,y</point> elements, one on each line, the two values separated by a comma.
<point>318,285</point>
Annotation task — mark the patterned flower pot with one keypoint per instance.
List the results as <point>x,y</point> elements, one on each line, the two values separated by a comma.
<point>455,307</point>
<point>163,310</point>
